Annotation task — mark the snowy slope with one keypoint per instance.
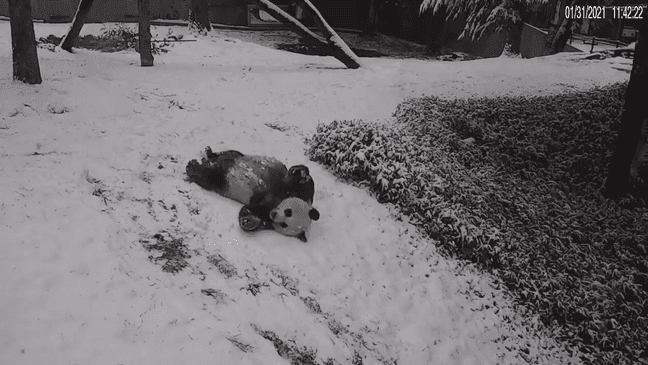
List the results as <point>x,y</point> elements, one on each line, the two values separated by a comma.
<point>91,167</point>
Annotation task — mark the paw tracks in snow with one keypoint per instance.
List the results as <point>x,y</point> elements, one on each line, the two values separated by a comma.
<point>152,206</point>
<point>353,340</point>
<point>157,99</point>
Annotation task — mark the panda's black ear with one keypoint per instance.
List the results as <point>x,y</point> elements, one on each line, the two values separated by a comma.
<point>313,214</point>
<point>302,236</point>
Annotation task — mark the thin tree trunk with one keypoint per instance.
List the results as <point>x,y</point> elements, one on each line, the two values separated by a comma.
<point>77,24</point>
<point>554,23</point>
<point>561,37</point>
<point>372,17</point>
<point>515,37</point>
<point>619,30</point>
<point>144,28</point>
<point>515,33</point>
<point>309,37</point>
<point>630,146</point>
<point>366,16</point>
<point>557,41</point>
<point>23,43</point>
<point>199,14</point>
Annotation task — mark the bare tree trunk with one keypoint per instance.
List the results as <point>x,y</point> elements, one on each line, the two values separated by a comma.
<point>372,16</point>
<point>554,22</point>
<point>349,60</point>
<point>515,31</point>
<point>560,38</point>
<point>619,30</point>
<point>557,41</point>
<point>77,24</point>
<point>630,148</point>
<point>23,43</point>
<point>144,28</point>
<point>515,37</point>
<point>199,14</point>
<point>367,17</point>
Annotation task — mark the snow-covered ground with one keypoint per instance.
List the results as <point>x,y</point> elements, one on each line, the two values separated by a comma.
<point>92,163</point>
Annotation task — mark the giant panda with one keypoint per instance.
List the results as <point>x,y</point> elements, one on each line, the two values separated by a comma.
<point>265,187</point>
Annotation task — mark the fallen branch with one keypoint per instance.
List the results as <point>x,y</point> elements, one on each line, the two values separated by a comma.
<point>310,38</point>
<point>335,42</point>
<point>77,24</point>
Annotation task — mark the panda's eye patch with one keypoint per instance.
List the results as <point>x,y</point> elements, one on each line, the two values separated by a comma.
<point>284,225</point>
<point>288,212</point>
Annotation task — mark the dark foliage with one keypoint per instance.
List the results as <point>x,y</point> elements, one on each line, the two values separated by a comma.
<point>224,267</point>
<point>173,251</point>
<point>514,185</point>
<point>116,39</point>
<point>289,350</point>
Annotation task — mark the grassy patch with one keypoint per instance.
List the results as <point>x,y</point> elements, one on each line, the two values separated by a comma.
<point>289,349</point>
<point>289,283</point>
<point>513,184</point>
<point>240,345</point>
<point>254,285</point>
<point>216,294</point>
<point>312,304</point>
<point>173,251</point>
<point>224,267</point>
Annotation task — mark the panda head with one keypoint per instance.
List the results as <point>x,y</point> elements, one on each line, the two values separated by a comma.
<point>293,217</point>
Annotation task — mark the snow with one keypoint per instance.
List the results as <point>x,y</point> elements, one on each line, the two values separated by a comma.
<point>92,162</point>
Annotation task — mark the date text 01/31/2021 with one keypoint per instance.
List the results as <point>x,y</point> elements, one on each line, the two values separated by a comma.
<point>604,12</point>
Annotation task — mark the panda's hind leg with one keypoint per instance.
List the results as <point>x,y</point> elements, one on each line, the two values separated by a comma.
<point>300,184</point>
<point>206,175</point>
<point>230,154</point>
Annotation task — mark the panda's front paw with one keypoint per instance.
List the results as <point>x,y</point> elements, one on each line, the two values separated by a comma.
<point>193,169</point>
<point>250,222</point>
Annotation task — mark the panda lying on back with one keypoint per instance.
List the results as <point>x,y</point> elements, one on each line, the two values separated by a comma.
<point>274,197</point>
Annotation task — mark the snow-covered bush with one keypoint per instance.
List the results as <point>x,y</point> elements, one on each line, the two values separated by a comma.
<point>417,175</point>
<point>513,184</point>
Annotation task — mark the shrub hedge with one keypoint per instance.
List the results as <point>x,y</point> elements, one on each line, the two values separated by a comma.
<point>513,184</point>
